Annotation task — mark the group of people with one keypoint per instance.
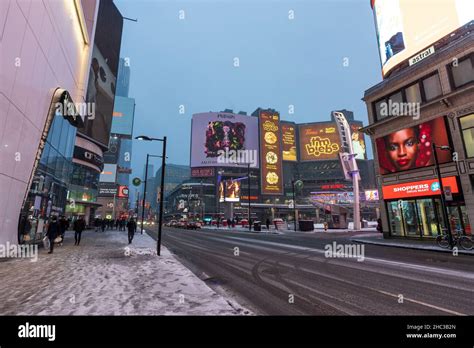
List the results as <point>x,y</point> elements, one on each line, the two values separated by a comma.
<point>108,224</point>
<point>57,229</point>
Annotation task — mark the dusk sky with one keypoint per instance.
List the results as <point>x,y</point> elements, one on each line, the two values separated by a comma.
<point>283,62</point>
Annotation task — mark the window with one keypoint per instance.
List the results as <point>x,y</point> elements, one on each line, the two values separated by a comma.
<point>378,108</point>
<point>432,87</point>
<point>413,93</point>
<point>467,130</point>
<point>463,72</point>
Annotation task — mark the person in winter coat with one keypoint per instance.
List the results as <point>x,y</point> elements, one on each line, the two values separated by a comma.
<point>52,232</point>
<point>379,226</point>
<point>132,228</point>
<point>79,226</point>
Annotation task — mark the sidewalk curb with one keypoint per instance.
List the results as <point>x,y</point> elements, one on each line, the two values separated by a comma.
<point>401,246</point>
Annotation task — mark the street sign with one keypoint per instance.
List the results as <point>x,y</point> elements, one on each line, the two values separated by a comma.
<point>136,181</point>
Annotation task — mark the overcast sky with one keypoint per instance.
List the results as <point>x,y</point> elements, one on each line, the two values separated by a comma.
<point>283,61</point>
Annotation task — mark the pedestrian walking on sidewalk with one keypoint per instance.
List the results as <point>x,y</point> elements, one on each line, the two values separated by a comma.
<point>379,225</point>
<point>103,224</point>
<point>132,228</point>
<point>52,232</point>
<point>268,224</point>
<point>79,226</point>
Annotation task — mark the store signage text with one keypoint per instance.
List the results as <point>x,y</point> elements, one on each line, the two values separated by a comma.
<point>419,188</point>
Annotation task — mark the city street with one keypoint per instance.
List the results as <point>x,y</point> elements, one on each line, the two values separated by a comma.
<point>288,274</point>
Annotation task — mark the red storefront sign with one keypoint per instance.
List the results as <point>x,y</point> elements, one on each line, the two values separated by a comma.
<point>202,172</point>
<point>419,188</point>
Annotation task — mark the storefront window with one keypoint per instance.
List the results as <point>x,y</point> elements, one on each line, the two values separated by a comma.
<point>409,218</point>
<point>427,218</point>
<point>467,129</point>
<point>395,219</point>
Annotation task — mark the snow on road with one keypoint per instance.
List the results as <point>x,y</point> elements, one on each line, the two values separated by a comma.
<point>106,276</point>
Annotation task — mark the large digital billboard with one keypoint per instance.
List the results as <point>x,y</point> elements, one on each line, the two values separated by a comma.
<point>288,142</point>
<point>122,122</point>
<point>229,191</point>
<point>109,173</point>
<point>407,27</point>
<point>410,148</point>
<point>224,140</point>
<point>103,73</point>
<point>270,153</point>
<point>319,141</point>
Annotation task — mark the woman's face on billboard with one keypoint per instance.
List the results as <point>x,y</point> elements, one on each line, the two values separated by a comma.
<point>402,148</point>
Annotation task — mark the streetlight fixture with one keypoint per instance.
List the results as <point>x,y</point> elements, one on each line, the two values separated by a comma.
<point>434,147</point>
<point>163,164</point>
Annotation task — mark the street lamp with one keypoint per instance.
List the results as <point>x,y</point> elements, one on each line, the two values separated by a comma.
<point>163,163</point>
<point>443,202</point>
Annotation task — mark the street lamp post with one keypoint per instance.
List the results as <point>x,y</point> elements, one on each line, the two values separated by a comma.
<point>248,193</point>
<point>294,202</point>
<point>434,147</point>
<point>163,163</point>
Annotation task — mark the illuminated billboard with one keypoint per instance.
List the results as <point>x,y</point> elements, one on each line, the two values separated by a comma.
<point>407,27</point>
<point>224,140</point>
<point>410,148</point>
<point>319,141</point>
<point>358,141</point>
<point>229,191</point>
<point>103,73</point>
<point>371,195</point>
<point>288,142</point>
<point>270,153</point>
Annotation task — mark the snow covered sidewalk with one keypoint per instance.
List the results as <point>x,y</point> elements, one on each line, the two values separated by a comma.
<point>106,276</point>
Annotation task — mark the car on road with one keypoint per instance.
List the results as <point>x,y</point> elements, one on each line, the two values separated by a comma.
<point>193,225</point>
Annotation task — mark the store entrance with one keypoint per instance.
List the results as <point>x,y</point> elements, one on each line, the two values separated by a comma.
<point>423,217</point>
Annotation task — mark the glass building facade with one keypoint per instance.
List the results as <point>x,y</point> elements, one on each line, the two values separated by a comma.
<point>48,194</point>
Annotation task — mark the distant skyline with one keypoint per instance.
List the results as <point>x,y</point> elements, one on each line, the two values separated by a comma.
<point>315,55</point>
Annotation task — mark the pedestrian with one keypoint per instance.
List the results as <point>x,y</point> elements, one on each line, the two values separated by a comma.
<point>97,224</point>
<point>52,232</point>
<point>103,224</point>
<point>379,225</point>
<point>117,222</point>
<point>79,226</point>
<point>229,223</point>
<point>268,224</point>
<point>132,228</point>
<point>233,223</point>
<point>62,228</point>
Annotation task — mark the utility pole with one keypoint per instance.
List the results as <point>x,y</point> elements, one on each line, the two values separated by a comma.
<point>144,191</point>
<point>248,174</point>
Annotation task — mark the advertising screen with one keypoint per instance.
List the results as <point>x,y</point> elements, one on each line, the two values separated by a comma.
<point>103,73</point>
<point>270,153</point>
<point>112,155</point>
<point>358,141</point>
<point>229,191</point>
<point>123,115</point>
<point>288,142</point>
<point>224,140</point>
<point>410,148</point>
<point>406,27</point>
<point>319,141</point>
<point>371,195</point>
<point>109,173</point>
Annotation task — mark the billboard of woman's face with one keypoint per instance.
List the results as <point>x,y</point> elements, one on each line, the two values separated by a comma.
<point>410,148</point>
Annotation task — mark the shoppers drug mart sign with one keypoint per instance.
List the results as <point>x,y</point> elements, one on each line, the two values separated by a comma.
<point>419,188</point>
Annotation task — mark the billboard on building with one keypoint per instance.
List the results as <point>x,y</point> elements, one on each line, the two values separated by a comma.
<point>109,173</point>
<point>103,73</point>
<point>229,191</point>
<point>358,141</point>
<point>410,148</point>
<point>123,115</point>
<point>407,27</point>
<point>112,154</point>
<point>107,189</point>
<point>420,188</point>
<point>288,142</point>
<point>224,140</point>
<point>319,141</point>
<point>270,153</point>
